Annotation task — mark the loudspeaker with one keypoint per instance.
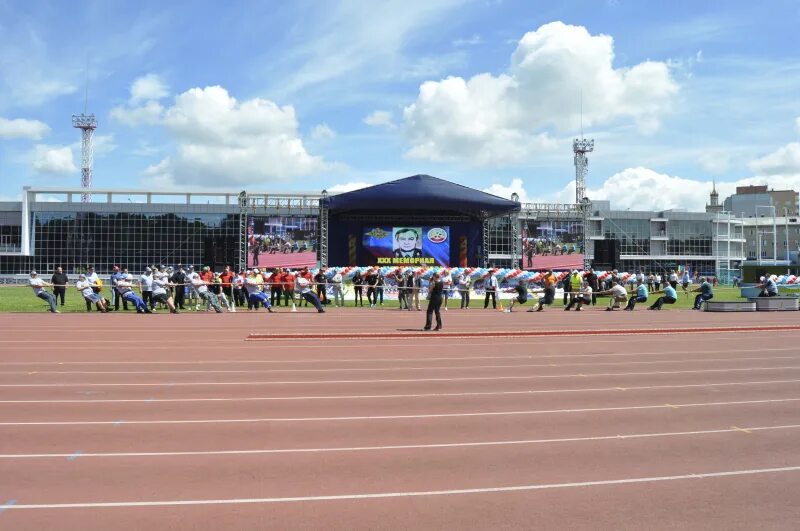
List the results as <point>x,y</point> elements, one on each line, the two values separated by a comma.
<point>606,252</point>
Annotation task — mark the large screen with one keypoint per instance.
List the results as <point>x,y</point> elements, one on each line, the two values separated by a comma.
<point>281,241</point>
<point>408,245</point>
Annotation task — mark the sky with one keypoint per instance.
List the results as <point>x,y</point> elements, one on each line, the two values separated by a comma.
<point>302,96</point>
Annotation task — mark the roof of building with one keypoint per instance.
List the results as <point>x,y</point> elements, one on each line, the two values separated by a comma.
<point>422,192</point>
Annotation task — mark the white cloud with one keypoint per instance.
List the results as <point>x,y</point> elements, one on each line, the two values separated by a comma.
<point>715,162</point>
<point>22,128</point>
<point>148,114</point>
<point>470,41</point>
<point>322,132</point>
<point>347,187</point>
<point>784,161</point>
<point>383,119</point>
<point>148,87</point>
<point>53,159</point>
<point>502,119</point>
<point>143,107</point>
<point>222,141</point>
<point>516,187</point>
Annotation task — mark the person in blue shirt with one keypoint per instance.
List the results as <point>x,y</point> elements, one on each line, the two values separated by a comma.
<point>641,296</point>
<point>670,297</point>
<point>768,287</point>
<point>706,293</point>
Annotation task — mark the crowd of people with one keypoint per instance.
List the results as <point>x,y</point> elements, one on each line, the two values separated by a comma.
<point>181,288</point>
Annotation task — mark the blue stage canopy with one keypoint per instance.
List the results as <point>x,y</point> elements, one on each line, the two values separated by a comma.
<point>420,193</point>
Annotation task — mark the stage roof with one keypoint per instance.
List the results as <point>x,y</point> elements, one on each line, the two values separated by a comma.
<point>421,192</point>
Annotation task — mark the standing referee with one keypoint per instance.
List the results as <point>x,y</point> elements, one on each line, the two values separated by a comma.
<point>435,293</point>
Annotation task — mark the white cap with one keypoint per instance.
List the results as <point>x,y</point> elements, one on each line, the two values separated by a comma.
<point>33,274</point>
<point>256,271</point>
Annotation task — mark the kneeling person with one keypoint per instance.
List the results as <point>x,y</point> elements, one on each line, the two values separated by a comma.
<point>641,296</point>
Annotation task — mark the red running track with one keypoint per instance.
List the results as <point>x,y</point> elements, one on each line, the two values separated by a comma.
<point>177,422</point>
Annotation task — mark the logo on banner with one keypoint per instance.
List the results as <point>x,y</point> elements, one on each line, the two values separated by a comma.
<point>437,235</point>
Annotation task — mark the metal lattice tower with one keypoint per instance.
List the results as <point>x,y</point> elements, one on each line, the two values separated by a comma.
<point>581,147</point>
<point>87,123</point>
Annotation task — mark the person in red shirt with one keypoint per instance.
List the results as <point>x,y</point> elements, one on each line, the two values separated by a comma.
<point>207,275</point>
<point>276,286</point>
<point>226,277</point>
<point>288,287</point>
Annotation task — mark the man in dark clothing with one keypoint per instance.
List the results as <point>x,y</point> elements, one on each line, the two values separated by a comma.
<point>59,282</point>
<point>320,285</point>
<point>522,295</point>
<point>371,280</point>
<point>435,291</point>
<point>358,293</point>
<point>379,288</point>
<point>178,278</point>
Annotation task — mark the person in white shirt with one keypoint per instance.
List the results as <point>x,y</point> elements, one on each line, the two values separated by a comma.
<point>194,296</point>
<point>87,290</point>
<point>447,283</point>
<point>303,287</point>
<point>618,295</point>
<point>160,291</point>
<point>463,284</point>
<point>125,289</point>
<point>491,291</point>
<point>146,287</point>
<point>584,297</point>
<point>201,287</point>
<point>38,286</point>
<point>338,295</point>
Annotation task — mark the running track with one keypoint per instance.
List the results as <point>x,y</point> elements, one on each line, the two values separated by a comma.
<point>130,422</point>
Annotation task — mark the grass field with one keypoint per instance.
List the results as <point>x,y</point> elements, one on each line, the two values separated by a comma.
<point>22,299</point>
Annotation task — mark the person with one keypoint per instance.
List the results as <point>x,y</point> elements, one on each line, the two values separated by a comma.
<point>217,288</point>
<point>94,280</point>
<point>641,296</point>
<point>618,294</point>
<point>706,293</point>
<point>125,287</point>
<point>491,291</point>
<point>161,292</point>
<point>256,251</point>
<point>686,280</point>
<point>379,287</point>
<point>522,295</point>
<point>237,282</point>
<point>464,289</point>
<point>591,278</point>
<point>306,274</point>
<point>447,282</point>
<point>371,280</point>
<point>202,290</point>
<point>276,286</point>
<point>194,297</point>
<point>338,295</point>
<point>178,281</point>
<point>673,279</point>
<point>405,243</point>
<point>86,289</point>
<point>657,284</point>
<point>146,287</point>
<point>358,294</point>
<point>288,287</point>
<point>549,291</point>
<point>303,288</point>
<point>320,283</point>
<point>38,286</point>
<point>117,275</point>
<point>651,280</point>
<point>670,297</point>
<point>416,288</point>
<point>769,288</point>
<point>575,283</point>
<point>59,281</point>
<point>586,296</point>
<point>226,277</point>
<point>435,289</point>
<point>255,295</point>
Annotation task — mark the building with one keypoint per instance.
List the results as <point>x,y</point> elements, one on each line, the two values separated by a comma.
<point>713,206</point>
<point>757,201</point>
<point>772,239</point>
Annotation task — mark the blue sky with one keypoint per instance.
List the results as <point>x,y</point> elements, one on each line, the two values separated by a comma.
<point>306,95</point>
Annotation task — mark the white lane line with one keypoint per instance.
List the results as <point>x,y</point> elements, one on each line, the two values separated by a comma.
<point>376,360</point>
<point>734,429</point>
<point>408,395</point>
<point>397,380</point>
<point>407,494</point>
<point>399,417</point>
<point>439,368</point>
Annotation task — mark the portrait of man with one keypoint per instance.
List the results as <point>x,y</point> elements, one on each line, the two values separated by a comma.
<point>408,242</point>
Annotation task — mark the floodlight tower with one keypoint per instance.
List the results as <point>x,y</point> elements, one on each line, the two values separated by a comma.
<point>581,146</point>
<point>87,123</point>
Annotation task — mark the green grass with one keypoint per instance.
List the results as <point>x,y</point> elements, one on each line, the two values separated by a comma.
<point>22,299</point>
